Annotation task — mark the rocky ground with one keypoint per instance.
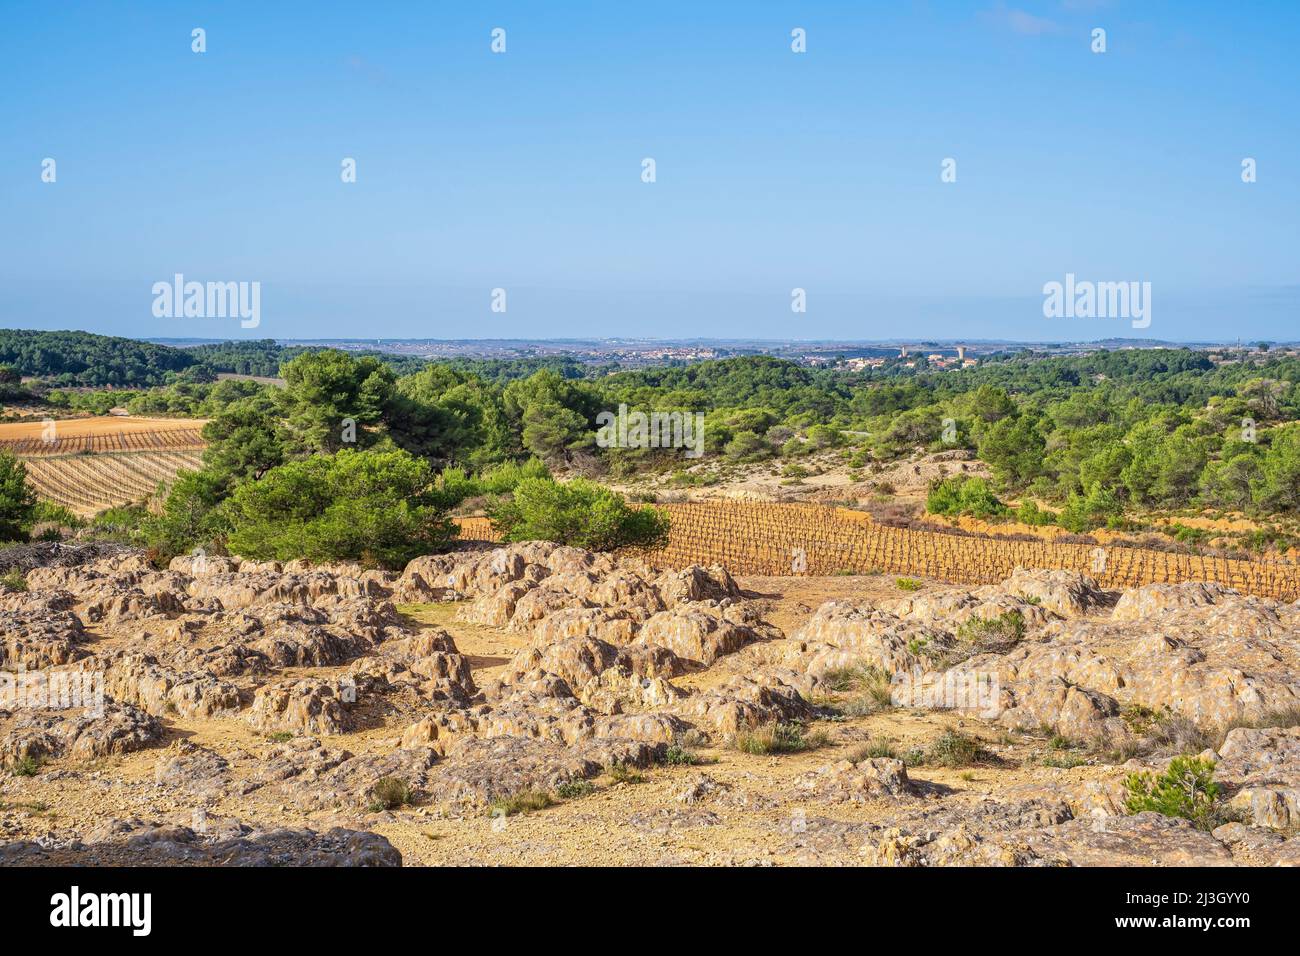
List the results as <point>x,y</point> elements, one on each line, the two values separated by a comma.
<point>825,476</point>
<point>537,704</point>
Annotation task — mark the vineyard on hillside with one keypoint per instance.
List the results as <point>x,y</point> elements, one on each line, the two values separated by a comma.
<point>753,538</point>
<point>140,441</point>
<point>87,484</point>
<point>80,436</point>
<point>89,464</point>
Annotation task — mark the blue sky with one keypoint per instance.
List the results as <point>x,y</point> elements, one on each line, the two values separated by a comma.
<point>775,170</point>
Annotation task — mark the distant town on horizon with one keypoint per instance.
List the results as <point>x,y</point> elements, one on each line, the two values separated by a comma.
<point>854,355</point>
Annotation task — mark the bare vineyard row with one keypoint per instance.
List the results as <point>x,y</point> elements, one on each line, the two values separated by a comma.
<point>754,538</point>
<point>124,441</point>
<point>87,484</point>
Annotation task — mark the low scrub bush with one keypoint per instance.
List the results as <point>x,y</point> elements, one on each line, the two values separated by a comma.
<point>1184,790</point>
<point>579,513</point>
<point>572,789</point>
<point>964,496</point>
<point>871,751</point>
<point>524,802</point>
<point>869,685</point>
<point>678,756</point>
<point>950,749</point>
<point>779,738</point>
<point>25,766</point>
<point>376,507</point>
<point>389,793</point>
<point>979,635</point>
<point>620,772</point>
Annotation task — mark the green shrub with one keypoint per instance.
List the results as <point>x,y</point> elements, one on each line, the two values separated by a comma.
<point>1184,790</point>
<point>870,686</point>
<point>375,507</point>
<point>455,484</point>
<point>747,446</point>
<point>953,749</point>
<point>504,478</point>
<point>1063,761</point>
<point>678,756</point>
<point>962,495</point>
<point>48,511</point>
<point>123,523</point>
<point>572,789</point>
<point>17,499</point>
<point>190,518</point>
<point>870,751</point>
<point>1093,510</point>
<point>796,448</point>
<point>978,635</point>
<point>779,738</point>
<point>620,772</point>
<point>579,513</point>
<point>1005,629</point>
<point>524,802</point>
<point>1029,513</point>
<point>14,580</point>
<point>389,793</point>
<point>25,766</point>
<point>907,584</point>
<point>825,436</point>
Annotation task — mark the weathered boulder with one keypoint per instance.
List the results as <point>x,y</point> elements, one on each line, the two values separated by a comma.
<point>696,583</point>
<point>604,624</point>
<point>134,843</point>
<point>843,634</point>
<point>198,771</point>
<point>844,781</point>
<point>140,680</point>
<point>1068,593</point>
<point>495,608</point>
<point>697,633</point>
<point>480,772</point>
<point>1149,602</point>
<point>1262,769</point>
<point>741,703</point>
<point>310,645</point>
<point>306,706</point>
<point>37,631</point>
<point>81,734</point>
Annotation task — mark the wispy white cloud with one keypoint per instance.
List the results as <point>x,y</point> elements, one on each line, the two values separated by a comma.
<point>1022,21</point>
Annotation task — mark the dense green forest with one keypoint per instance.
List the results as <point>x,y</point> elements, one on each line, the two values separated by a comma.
<point>80,358</point>
<point>263,357</point>
<point>1096,435</point>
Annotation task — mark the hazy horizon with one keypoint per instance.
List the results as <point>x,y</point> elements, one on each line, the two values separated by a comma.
<point>919,338</point>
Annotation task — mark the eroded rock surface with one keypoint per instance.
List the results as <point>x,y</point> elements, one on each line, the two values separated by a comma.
<point>274,692</point>
<point>132,843</point>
